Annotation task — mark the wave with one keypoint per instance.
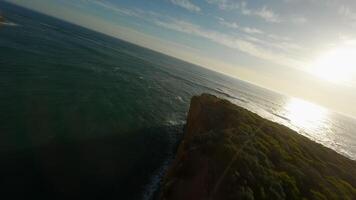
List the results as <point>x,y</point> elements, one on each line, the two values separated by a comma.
<point>179,98</point>
<point>280,116</point>
<point>155,181</point>
<point>49,26</point>
<point>174,131</point>
<point>7,23</point>
<point>175,122</point>
<point>220,91</point>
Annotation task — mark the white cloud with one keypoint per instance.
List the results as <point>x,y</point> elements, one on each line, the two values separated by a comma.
<point>264,13</point>
<point>225,4</point>
<point>117,10</point>
<point>299,20</point>
<point>234,25</point>
<point>267,15</point>
<point>276,51</point>
<point>252,30</point>
<point>229,41</point>
<point>286,47</point>
<point>278,38</point>
<point>187,5</point>
<point>275,41</point>
<point>347,12</point>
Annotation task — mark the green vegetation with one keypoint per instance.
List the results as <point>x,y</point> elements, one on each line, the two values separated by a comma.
<point>230,153</point>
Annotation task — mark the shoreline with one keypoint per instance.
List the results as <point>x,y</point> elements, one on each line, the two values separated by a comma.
<point>223,140</point>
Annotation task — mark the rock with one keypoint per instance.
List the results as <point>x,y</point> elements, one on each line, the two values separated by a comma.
<point>229,152</point>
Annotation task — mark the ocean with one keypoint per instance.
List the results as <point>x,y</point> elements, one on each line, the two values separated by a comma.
<point>85,114</point>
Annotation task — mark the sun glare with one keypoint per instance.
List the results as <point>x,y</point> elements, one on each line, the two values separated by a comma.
<point>306,115</point>
<point>337,65</point>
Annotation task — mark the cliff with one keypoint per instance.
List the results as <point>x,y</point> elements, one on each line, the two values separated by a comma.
<point>230,153</point>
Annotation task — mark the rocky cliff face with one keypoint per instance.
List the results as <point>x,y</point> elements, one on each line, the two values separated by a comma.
<point>230,153</point>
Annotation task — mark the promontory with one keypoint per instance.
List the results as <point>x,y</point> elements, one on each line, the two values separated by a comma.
<point>228,152</point>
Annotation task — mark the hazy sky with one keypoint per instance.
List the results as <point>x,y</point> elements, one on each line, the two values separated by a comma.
<point>303,48</point>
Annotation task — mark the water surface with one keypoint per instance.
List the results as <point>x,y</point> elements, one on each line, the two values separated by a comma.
<point>86,114</point>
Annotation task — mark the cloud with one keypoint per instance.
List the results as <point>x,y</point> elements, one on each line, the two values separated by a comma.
<point>274,51</point>
<point>252,30</point>
<point>234,25</point>
<point>299,20</point>
<point>225,4</point>
<point>347,12</point>
<point>187,5</point>
<point>229,41</point>
<point>278,38</point>
<point>114,8</point>
<point>263,13</point>
<point>267,15</point>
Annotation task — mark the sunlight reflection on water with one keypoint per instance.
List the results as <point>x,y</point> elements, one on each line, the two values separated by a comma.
<point>306,116</point>
<point>313,121</point>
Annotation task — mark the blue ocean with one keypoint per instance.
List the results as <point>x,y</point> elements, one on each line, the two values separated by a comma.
<point>85,114</point>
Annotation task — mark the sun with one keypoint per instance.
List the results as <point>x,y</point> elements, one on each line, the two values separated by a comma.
<point>337,65</point>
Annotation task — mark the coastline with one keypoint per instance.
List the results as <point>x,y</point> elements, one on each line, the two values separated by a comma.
<point>227,151</point>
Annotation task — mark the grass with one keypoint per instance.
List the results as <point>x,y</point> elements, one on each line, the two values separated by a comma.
<point>231,153</point>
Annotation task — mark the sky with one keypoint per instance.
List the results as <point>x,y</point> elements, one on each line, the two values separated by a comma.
<point>302,48</point>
